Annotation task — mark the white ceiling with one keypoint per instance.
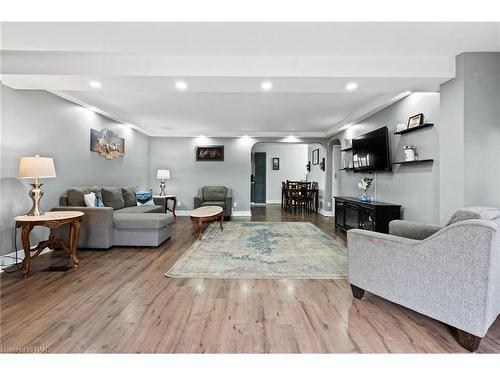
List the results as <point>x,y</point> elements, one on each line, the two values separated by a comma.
<point>225,63</point>
<point>255,38</point>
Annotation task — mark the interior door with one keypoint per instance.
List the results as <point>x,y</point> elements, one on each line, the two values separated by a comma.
<point>260,177</point>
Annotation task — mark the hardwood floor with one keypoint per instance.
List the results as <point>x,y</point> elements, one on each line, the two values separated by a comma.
<point>120,301</point>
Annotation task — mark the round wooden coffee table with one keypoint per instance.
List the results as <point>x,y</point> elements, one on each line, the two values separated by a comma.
<point>52,219</point>
<point>207,213</point>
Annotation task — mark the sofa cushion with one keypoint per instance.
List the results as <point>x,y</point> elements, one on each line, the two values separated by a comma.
<point>142,221</point>
<point>467,213</point>
<point>214,193</point>
<point>213,203</point>
<point>129,196</point>
<point>75,195</point>
<point>141,209</point>
<point>113,197</point>
<point>144,196</point>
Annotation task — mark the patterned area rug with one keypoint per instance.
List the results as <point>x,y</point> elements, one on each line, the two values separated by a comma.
<point>263,250</point>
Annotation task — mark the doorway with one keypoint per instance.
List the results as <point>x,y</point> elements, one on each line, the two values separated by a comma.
<point>336,164</point>
<point>260,177</point>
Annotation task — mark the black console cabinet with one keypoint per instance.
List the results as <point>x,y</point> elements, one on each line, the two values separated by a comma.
<point>351,213</point>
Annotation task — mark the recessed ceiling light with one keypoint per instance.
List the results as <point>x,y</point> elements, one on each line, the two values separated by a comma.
<point>181,85</point>
<point>266,85</point>
<point>95,84</point>
<point>351,86</point>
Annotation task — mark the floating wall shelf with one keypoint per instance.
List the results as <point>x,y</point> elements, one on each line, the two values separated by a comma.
<point>414,161</point>
<point>423,126</point>
<point>346,149</point>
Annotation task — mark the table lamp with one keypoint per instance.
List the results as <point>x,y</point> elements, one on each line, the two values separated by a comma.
<point>163,174</point>
<point>36,167</point>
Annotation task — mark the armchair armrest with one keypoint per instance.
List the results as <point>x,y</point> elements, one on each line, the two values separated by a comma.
<point>229,202</point>
<point>97,230</point>
<point>198,199</point>
<point>410,229</point>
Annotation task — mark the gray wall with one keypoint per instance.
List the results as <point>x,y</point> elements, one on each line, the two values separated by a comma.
<point>471,150</point>
<point>415,187</point>
<point>187,175</point>
<point>37,122</point>
<point>316,174</point>
<point>293,160</point>
<point>452,145</point>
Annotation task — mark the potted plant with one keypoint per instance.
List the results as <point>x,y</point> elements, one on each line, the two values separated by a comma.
<point>364,185</point>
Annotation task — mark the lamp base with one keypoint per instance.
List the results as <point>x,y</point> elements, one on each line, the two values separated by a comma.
<point>162,188</point>
<point>36,194</point>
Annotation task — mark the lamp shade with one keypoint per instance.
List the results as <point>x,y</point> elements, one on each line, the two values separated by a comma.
<point>163,174</point>
<point>36,167</point>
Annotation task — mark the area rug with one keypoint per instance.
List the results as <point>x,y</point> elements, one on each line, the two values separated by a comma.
<point>263,250</point>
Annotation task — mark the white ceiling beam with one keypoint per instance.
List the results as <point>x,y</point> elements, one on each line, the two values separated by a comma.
<point>76,63</point>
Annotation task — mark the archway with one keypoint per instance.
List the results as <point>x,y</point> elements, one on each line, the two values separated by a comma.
<point>335,166</point>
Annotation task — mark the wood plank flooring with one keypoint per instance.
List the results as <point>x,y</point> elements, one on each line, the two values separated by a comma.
<point>120,301</point>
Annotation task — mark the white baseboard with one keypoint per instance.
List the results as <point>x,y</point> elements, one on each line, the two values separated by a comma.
<point>8,260</point>
<point>273,201</point>
<point>235,213</point>
<point>326,213</point>
<point>241,214</point>
<point>182,212</point>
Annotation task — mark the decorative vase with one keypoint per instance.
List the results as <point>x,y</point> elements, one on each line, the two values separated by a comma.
<point>365,197</point>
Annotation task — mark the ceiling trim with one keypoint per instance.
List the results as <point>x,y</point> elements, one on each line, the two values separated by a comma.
<point>366,111</point>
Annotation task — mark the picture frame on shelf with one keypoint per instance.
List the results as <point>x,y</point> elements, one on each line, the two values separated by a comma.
<point>415,120</point>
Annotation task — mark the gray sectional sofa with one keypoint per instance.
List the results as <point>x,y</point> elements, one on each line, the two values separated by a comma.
<point>120,223</point>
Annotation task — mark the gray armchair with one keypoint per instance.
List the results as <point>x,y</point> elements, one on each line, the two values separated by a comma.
<point>215,196</point>
<point>449,273</point>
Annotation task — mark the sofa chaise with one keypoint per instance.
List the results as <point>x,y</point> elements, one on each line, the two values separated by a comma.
<point>450,273</point>
<point>121,222</point>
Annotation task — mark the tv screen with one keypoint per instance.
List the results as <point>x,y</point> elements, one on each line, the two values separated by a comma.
<point>370,152</point>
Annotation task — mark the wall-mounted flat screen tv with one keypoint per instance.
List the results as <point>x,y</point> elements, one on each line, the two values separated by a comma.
<point>370,152</point>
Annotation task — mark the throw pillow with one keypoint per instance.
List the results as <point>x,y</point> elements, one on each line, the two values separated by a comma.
<point>144,197</point>
<point>98,201</point>
<point>113,197</point>
<point>75,195</point>
<point>93,200</point>
<point>89,199</point>
<point>467,213</point>
<point>129,196</point>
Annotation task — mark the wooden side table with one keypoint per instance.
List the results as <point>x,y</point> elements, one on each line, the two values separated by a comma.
<point>50,220</point>
<point>207,213</point>
<point>162,200</point>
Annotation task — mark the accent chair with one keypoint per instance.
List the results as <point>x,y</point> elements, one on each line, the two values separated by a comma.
<point>215,196</point>
<point>450,273</point>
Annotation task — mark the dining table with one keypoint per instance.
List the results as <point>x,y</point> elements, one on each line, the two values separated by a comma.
<point>290,197</point>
